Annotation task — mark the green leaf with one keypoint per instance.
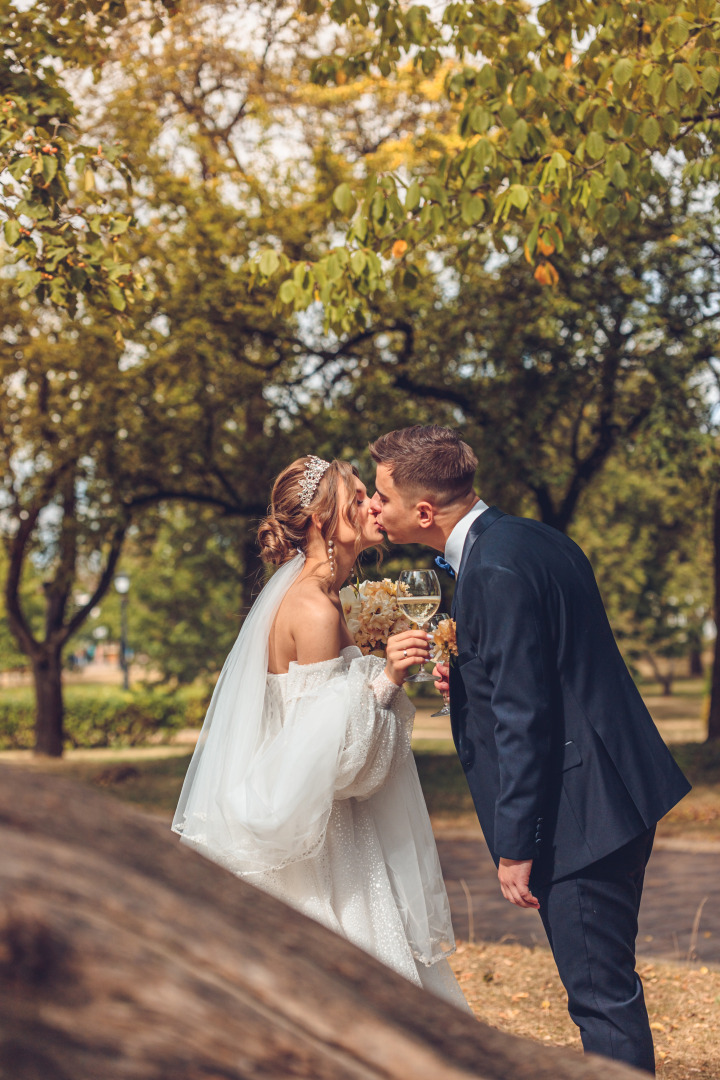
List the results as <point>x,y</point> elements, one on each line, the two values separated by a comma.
<point>287,292</point>
<point>678,31</point>
<point>20,167</point>
<point>343,199</point>
<point>558,161</point>
<point>332,267</point>
<point>484,152</point>
<point>611,216</point>
<point>710,78</point>
<point>269,262</point>
<point>650,131</point>
<point>11,229</point>
<point>412,199</point>
<point>671,94</point>
<point>117,297</point>
<point>684,76</point>
<point>27,281</point>
<point>49,167</point>
<point>595,145</point>
<point>472,208</point>
<point>480,119</point>
<point>119,226</point>
<point>358,262</point>
<point>601,120</point>
<point>619,177</point>
<point>623,71</point>
<point>519,196</point>
<point>519,132</point>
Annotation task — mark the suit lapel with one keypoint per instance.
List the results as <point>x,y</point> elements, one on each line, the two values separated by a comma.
<point>478,527</point>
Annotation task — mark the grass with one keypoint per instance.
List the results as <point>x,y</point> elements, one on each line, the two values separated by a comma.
<point>517,990</point>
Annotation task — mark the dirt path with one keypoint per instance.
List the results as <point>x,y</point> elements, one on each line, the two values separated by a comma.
<point>677,882</point>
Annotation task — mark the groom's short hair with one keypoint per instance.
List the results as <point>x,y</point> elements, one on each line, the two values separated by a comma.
<point>430,461</point>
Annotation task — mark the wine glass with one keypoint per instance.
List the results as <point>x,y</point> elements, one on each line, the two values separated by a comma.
<point>433,625</point>
<point>418,597</point>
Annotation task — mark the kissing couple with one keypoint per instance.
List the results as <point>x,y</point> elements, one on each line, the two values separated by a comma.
<point>303,782</point>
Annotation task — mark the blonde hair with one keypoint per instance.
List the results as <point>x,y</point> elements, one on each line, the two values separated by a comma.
<point>285,529</point>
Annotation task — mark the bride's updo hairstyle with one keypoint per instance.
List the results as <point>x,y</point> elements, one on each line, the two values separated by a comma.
<point>285,529</point>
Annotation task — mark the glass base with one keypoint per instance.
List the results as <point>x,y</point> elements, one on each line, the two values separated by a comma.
<point>445,711</point>
<point>422,676</point>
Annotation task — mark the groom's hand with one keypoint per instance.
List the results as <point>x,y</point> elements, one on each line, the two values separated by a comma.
<point>441,674</point>
<point>514,878</point>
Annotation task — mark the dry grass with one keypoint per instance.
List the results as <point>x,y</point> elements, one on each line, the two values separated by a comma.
<point>518,990</point>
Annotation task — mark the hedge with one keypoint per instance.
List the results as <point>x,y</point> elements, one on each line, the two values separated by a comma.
<point>96,717</point>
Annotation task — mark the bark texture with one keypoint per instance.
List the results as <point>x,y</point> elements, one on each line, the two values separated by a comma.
<point>126,957</point>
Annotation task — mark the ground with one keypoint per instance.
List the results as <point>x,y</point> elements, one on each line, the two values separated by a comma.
<point>510,985</point>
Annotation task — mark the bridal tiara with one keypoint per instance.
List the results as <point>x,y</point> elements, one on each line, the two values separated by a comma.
<point>314,471</point>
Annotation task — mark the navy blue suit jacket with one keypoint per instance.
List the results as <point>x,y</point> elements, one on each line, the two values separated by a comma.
<point>563,760</point>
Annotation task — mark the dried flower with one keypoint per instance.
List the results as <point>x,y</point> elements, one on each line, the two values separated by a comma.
<point>445,641</point>
<point>372,614</point>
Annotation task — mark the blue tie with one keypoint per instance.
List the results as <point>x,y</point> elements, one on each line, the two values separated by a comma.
<point>444,565</point>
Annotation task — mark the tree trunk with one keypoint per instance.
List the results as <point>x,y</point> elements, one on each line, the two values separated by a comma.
<point>47,673</point>
<point>664,678</point>
<point>714,717</point>
<point>127,957</point>
<point>696,664</point>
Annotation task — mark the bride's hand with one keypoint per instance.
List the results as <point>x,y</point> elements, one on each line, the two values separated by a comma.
<point>403,651</point>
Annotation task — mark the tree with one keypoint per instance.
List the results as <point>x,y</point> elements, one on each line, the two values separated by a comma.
<point>54,187</point>
<point>550,383</point>
<point>647,532</point>
<point>566,115</point>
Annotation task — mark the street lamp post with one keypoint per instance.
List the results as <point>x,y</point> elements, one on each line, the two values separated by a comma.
<point>122,586</point>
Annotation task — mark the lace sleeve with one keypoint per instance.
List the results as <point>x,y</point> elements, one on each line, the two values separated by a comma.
<point>378,730</point>
<point>384,689</point>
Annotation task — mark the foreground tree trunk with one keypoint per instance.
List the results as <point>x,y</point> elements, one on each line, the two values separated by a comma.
<point>714,717</point>
<point>127,957</point>
<point>47,675</point>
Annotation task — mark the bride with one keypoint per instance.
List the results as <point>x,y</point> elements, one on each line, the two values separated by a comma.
<point>303,782</point>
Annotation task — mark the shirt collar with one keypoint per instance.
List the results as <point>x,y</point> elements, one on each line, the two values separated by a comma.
<point>456,539</point>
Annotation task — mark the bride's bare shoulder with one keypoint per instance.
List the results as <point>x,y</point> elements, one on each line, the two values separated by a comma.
<point>314,621</point>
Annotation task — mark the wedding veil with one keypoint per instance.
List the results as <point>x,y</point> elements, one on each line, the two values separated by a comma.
<point>214,812</point>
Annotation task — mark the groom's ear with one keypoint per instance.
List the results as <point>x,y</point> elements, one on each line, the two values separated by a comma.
<point>426,514</point>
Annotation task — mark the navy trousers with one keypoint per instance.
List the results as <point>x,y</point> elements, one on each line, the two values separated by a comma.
<point>591,920</point>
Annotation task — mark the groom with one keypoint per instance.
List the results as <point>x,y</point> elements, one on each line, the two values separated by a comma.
<point>567,771</point>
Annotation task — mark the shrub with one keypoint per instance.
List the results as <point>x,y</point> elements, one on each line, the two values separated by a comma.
<point>96,717</point>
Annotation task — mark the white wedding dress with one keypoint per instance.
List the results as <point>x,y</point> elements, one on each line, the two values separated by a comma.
<point>304,785</point>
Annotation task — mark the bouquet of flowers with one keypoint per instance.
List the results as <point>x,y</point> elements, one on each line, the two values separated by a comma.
<point>444,641</point>
<point>372,614</point>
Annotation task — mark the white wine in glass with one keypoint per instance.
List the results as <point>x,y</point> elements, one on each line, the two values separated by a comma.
<point>418,596</point>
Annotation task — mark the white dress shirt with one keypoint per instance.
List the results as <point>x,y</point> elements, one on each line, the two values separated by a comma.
<point>456,539</point>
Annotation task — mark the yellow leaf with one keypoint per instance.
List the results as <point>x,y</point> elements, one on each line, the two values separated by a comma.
<point>546,274</point>
<point>528,256</point>
<point>399,248</point>
<point>517,997</point>
<point>545,246</point>
<point>568,61</point>
<point>656,1026</point>
<point>545,1004</point>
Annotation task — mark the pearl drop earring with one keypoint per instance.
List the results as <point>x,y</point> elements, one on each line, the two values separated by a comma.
<point>331,556</point>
